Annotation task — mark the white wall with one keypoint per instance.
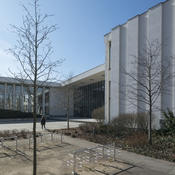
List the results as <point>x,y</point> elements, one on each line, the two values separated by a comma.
<point>115,55</point>
<point>142,43</point>
<point>128,40</point>
<point>168,50</point>
<point>57,101</point>
<point>122,64</point>
<point>131,65</point>
<point>107,38</point>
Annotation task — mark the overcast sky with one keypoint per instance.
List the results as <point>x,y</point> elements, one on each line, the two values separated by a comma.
<point>82,25</point>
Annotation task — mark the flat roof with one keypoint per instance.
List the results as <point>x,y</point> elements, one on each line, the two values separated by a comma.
<point>10,80</point>
<point>92,75</point>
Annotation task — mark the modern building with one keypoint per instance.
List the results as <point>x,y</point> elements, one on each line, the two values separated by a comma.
<point>17,95</point>
<point>129,40</point>
<point>106,85</point>
<point>86,93</point>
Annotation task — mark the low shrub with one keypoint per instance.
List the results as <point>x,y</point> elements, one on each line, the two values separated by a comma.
<point>20,134</point>
<point>169,122</point>
<point>138,139</point>
<point>125,124</point>
<point>142,121</point>
<point>87,127</point>
<point>98,114</point>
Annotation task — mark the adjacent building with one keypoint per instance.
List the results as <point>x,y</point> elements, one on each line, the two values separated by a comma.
<point>105,85</point>
<point>86,93</point>
<point>129,40</point>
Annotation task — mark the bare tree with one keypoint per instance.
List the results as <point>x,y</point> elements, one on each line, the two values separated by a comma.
<point>72,92</point>
<point>69,88</point>
<point>33,50</point>
<point>152,79</point>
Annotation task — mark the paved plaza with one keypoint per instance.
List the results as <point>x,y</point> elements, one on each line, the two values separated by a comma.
<point>54,155</point>
<point>28,125</point>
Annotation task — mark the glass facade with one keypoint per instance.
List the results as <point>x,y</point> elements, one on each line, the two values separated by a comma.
<point>9,97</point>
<point>26,95</point>
<point>31,99</point>
<point>87,98</point>
<point>2,94</point>
<point>47,101</point>
<point>18,97</point>
<point>109,55</point>
<point>40,100</point>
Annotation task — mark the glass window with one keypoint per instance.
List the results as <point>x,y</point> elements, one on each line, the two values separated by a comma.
<point>87,98</point>
<point>47,98</point>
<point>26,91</point>
<point>40,100</point>
<point>18,95</point>
<point>2,91</point>
<point>109,55</point>
<point>47,101</point>
<point>30,99</point>
<point>9,96</point>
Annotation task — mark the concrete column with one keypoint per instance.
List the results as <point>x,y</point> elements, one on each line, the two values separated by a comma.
<point>43,100</point>
<point>107,79</point>
<point>30,104</point>
<point>22,98</point>
<point>5,96</point>
<point>14,98</point>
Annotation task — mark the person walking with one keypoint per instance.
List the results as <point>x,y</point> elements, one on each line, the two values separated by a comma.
<point>43,122</point>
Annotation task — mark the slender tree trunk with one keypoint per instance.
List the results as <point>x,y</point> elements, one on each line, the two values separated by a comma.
<point>150,126</point>
<point>150,107</point>
<point>35,94</point>
<point>68,109</point>
<point>34,133</point>
<point>32,51</point>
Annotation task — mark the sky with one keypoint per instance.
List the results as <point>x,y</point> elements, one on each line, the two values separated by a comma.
<point>82,24</point>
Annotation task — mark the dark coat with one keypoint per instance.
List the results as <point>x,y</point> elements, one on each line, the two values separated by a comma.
<point>43,120</point>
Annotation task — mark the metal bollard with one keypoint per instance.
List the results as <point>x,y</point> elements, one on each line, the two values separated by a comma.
<point>41,138</point>
<point>29,141</point>
<point>51,136</point>
<point>2,142</point>
<point>103,149</point>
<point>114,152</point>
<point>16,139</point>
<point>61,136</point>
<point>74,164</point>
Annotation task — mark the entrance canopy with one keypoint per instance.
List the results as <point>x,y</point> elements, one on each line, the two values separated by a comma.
<point>91,76</point>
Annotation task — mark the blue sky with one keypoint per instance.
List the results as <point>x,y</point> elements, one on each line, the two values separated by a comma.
<point>81,28</point>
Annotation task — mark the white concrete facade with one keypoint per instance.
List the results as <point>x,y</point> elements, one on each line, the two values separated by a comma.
<point>128,40</point>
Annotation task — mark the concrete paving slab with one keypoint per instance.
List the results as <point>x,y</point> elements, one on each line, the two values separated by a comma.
<point>29,125</point>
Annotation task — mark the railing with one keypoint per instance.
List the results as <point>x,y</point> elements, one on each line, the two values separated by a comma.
<point>91,155</point>
<point>41,137</point>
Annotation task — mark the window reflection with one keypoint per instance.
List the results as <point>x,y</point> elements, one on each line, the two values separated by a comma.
<point>87,98</point>
<point>47,101</point>
<point>18,96</point>
<point>2,91</point>
<point>26,95</point>
<point>40,100</point>
<point>9,97</point>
